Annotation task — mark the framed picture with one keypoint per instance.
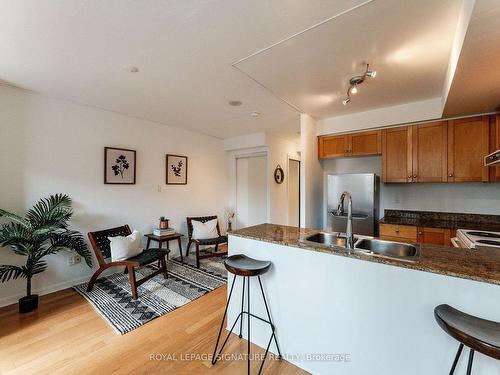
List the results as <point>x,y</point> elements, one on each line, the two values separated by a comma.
<point>119,166</point>
<point>177,167</point>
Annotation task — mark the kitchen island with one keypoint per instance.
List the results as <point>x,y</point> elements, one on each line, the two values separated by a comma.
<point>358,314</point>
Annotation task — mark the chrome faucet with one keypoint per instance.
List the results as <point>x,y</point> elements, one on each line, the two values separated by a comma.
<point>349,241</point>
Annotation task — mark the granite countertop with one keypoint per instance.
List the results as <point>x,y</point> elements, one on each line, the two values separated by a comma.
<point>479,265</point>
<point>445,220</point>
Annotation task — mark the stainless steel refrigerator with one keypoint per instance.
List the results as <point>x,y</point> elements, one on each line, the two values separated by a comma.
<point>364,190</point>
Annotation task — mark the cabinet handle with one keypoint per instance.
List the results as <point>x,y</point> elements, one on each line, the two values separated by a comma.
<point>420,233</point>
<point>397,231</point>
<point>450,175</point>
<point>409,177</point>
<point>414,176</point>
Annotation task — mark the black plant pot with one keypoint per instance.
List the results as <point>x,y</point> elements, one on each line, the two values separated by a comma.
<point>28,303</point>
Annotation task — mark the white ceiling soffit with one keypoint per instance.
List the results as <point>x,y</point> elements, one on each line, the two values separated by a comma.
<point>77,50</point>
<point>475,87</point>
<point>408,43</point>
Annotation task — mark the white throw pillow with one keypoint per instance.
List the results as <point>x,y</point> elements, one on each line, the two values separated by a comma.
<point>203,231</point>
<point>123,248</point>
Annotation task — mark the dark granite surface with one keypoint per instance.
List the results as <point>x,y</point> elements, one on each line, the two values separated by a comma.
<point>446,220</point>
<point>479,265</point>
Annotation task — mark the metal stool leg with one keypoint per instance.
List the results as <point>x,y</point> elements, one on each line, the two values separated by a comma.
<point>242,305</point>
<point>214,358</point>
<point>460,347</point>
<point>248,322</point>
<point>471,358</point>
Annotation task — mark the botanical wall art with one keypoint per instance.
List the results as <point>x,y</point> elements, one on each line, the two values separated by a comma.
<point>119,166</point>
<point>176,170</point>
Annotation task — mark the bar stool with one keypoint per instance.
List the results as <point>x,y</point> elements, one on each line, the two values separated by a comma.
<point>241,265</point>
<point>478,334</point>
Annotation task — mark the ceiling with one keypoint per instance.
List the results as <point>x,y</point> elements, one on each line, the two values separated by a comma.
<point>476,83</point>
<point>186,51</point>
<point>408,43</point>
<point>76,50</point>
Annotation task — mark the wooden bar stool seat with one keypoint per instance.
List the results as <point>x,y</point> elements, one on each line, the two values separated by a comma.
<point>478,334</point>
<point>242,265</point>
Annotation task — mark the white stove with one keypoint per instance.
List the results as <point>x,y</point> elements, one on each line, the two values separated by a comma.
<point>471,239</point>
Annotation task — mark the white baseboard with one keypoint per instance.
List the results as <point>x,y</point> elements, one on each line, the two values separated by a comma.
<point>9,300</point>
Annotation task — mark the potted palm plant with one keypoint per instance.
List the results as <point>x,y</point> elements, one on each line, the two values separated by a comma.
<point>42,231</point>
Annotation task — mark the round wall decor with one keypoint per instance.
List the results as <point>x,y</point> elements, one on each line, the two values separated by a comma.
<point>279,175</point>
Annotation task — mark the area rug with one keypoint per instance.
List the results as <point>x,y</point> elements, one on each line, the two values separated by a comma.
<point>158,296</point>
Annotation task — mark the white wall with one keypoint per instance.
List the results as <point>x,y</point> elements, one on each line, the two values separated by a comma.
<point>311,184</point>
<point>50,146</point>
<point>479,197</point>
<point>398,114</point>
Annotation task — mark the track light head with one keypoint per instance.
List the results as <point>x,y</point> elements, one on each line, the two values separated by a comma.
<point>346,100</point>
<point>353,89</point>
<point>371,73</point>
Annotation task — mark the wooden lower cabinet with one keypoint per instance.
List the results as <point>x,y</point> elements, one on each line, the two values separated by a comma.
<point>409,233</point>
<point>404,233</point>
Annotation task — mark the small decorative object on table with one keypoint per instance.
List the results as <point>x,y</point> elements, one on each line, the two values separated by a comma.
<point>229,213</point>
<point>43,231</point>
<point>163,222</point>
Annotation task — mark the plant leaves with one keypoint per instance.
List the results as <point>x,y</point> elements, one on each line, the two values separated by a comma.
<point>8,272</point>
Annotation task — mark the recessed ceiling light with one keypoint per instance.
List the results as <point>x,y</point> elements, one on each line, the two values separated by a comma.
<point>255,114</point>
<point>235,103</point>
<point>131,69</point>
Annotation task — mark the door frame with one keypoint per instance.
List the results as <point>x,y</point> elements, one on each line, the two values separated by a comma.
<point>297,159</point>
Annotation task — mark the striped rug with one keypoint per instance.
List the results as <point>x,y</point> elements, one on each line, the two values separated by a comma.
<point>112,299</point>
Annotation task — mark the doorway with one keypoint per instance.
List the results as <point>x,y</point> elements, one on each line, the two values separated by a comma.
<point>294,192</point>
<point>251,190</point>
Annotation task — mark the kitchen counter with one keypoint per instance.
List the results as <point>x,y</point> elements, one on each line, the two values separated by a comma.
<point>480,265</point>
<point>445,220</point>
<point>348,314</point>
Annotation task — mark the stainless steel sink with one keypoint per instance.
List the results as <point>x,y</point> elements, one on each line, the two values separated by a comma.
<point>388,249</point>
<point>327,239</point>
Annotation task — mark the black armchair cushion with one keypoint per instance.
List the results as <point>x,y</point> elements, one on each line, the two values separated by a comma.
<point>212,241</point>
<point>149,256</point>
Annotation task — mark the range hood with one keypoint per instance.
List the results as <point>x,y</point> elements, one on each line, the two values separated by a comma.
<point>492,159</point>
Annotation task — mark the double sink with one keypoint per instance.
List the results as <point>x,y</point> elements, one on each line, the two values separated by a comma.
<point>367,245</point>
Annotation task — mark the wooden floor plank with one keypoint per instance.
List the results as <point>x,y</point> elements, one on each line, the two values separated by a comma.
<point>67,336</point>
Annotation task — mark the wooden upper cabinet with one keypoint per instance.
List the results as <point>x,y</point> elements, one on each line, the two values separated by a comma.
<point>354,144</point>
<point>468,143</point>
<point>365,143</point>
<point>429,146</point>
<point>332,146</point>
<point>397,154</point>
<point>494,144</point>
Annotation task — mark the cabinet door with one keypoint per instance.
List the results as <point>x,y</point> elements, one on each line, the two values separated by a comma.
<point>365,143</point>
<point>397,155</point>
<point>398,232</point>
<point>435,236</point>
<point>429,144</point>
<point>494,144</point>
<point>468,143</point>
<point>332,146</point>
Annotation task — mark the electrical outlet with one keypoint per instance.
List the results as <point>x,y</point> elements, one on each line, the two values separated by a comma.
<point>74,259</point>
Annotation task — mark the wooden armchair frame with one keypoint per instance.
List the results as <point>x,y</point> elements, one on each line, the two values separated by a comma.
<point>100,244</point>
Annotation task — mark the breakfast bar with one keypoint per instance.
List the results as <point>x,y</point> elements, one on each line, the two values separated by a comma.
<point>345,312</point>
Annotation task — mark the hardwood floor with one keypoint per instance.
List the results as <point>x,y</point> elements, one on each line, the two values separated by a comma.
<point>67,336</point>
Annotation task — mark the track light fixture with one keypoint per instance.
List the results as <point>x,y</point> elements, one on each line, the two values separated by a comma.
<point>357,80</point>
